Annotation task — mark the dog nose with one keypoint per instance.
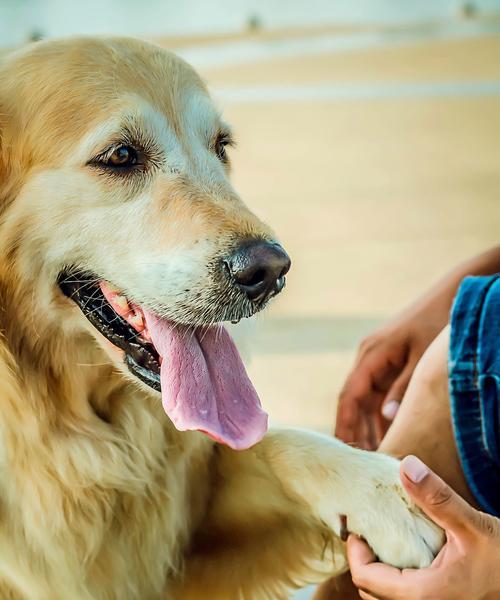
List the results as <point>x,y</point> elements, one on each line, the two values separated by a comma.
<point>259,268</point>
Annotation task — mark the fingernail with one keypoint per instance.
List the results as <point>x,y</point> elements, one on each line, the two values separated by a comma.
<point>414,469</point>
<point>390,409</point>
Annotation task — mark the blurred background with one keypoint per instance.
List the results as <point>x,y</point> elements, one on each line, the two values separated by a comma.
<point>368,136</point>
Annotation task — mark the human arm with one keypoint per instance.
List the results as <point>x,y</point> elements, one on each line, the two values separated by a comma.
<point>387,358</point>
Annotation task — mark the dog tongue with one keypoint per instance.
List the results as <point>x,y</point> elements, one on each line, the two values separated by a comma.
<point>204,385</point>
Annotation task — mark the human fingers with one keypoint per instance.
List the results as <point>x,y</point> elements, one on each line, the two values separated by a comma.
<point>396,392</point>
<point>435,497</point>
<point>374,579</point>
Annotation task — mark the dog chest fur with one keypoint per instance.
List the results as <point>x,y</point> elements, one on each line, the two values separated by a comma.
<point>100,511</point>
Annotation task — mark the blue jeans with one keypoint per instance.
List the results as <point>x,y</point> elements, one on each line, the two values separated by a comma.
<point>474,382</point>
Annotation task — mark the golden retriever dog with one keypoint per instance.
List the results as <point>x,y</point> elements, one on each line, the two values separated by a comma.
<point>135,462</point>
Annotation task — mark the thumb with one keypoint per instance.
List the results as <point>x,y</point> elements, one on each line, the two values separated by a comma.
<point>396,393</point>
<point>435,497</point>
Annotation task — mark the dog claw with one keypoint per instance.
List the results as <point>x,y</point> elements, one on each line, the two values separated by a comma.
<point>344,532</point>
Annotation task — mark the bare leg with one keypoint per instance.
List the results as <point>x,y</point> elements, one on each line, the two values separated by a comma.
<point>423,425</point>
<point>423,428</point>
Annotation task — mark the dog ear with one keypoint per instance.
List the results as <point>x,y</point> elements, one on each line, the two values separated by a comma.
<point>4,142</point>
<point>3,124</point>
<point>3,157</point>
<point>3,168</point>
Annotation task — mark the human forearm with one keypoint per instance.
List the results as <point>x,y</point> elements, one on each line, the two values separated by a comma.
<point>440,296</point>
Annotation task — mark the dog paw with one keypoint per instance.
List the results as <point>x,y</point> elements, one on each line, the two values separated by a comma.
<point>396,529</point>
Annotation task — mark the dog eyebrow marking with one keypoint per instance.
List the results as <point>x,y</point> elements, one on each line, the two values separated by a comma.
<point>92,142</point>
<point>177,149</point>
<point>138,120</point>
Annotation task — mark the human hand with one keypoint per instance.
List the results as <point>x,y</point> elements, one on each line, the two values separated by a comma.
<point>385,363</point>
<point>465,569</point>
<point>386,359</point>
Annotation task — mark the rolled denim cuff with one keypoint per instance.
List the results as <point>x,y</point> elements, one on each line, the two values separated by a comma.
<point>474,384</point>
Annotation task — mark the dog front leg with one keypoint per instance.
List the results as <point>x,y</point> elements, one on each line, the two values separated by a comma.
<point>275,504</point>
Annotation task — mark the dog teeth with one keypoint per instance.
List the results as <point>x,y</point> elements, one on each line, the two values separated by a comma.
<point>111,289</point>
<point>137,321</point>
<point>121,302</point>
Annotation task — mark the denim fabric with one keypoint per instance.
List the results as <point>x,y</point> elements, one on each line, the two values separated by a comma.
<point>474,380</point>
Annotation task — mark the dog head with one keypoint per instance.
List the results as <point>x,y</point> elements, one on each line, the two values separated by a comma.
<point>116,193</point>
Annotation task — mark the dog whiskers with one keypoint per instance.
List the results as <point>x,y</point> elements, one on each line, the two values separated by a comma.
<point>104,364</point>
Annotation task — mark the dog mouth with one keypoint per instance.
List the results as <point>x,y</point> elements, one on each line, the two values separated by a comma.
<point>197,369</point>
<point>119,321</point>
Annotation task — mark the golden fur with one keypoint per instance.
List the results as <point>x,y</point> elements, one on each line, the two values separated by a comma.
<point>100,496</point>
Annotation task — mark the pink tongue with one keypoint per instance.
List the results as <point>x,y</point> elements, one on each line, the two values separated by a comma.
<point>204,385</point>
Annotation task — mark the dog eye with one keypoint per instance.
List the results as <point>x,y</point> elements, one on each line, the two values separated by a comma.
<point>121,157</point>
<point>220,145</point>
<point>124,158</point>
